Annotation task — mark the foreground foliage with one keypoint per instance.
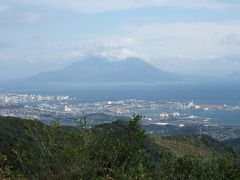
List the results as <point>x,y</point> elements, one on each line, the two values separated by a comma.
<point>121,150</point>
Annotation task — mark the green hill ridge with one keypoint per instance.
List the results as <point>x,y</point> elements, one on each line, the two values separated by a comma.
<point>30,149</point>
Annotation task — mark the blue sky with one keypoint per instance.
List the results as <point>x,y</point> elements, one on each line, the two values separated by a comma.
<point>185,36</point>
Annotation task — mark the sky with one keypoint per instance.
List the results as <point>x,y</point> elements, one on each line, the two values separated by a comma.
<point>188,36</point>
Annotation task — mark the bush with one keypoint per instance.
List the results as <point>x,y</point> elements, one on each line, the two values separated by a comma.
<point>120,150</point>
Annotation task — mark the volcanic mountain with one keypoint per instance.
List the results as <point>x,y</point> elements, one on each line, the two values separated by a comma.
<point>97,69</point>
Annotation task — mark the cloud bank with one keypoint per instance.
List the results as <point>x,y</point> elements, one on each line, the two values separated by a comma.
<point>96,6</point>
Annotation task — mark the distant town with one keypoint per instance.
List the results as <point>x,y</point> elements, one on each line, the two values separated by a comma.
<point>157,115</point>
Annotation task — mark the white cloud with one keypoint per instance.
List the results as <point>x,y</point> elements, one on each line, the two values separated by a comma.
<point>115,48</point>
<point>117,54</point>
<point>207,4</point>
<point>174,45</point>
<point>92,6</point>
<point>218,66</point>
<point>231,39</point>
<point>119,42</point>
<point>112,48</point>
<point>30,18</point>
<point>5,45</point>
<point>4,7</point>
<point>20,19</point>
<point>187,39</point>
<point>75,54</point>
<point>95,6</point>
<point>3,57</point>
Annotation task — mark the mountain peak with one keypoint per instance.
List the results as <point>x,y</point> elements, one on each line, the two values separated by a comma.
<point>98,69</point>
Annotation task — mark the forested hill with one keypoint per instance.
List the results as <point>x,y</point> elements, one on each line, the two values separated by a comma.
<point>121,150</point>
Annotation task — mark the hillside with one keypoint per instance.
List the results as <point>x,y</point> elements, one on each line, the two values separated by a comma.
<point>235,143</point>
<point>96,69</point>
<point>120,150</point>
<point>192,144</point>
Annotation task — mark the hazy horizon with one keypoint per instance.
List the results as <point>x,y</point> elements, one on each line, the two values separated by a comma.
<point>184,36</point>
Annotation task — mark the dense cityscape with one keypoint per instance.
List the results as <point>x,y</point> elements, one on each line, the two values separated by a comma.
<point>157,115</point>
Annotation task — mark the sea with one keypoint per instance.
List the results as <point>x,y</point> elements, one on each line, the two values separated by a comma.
<point>199,93</point>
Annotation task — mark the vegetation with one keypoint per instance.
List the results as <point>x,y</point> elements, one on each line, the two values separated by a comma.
<point>120,150</point>
<point>235,143</point>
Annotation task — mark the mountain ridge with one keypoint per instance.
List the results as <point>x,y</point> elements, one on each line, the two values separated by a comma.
<point>97,69</point>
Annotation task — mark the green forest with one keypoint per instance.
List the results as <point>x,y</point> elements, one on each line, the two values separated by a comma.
<point>30,149</point>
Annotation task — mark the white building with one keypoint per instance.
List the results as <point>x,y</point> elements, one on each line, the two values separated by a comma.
<point>164,115</point>
<point>190,104</point>
<point>176,114</point>
<point>67,109</point>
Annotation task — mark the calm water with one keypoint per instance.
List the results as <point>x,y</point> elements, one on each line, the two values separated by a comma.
<point>202,93</point>
<point>214,94</point>
<point>217,116</point>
